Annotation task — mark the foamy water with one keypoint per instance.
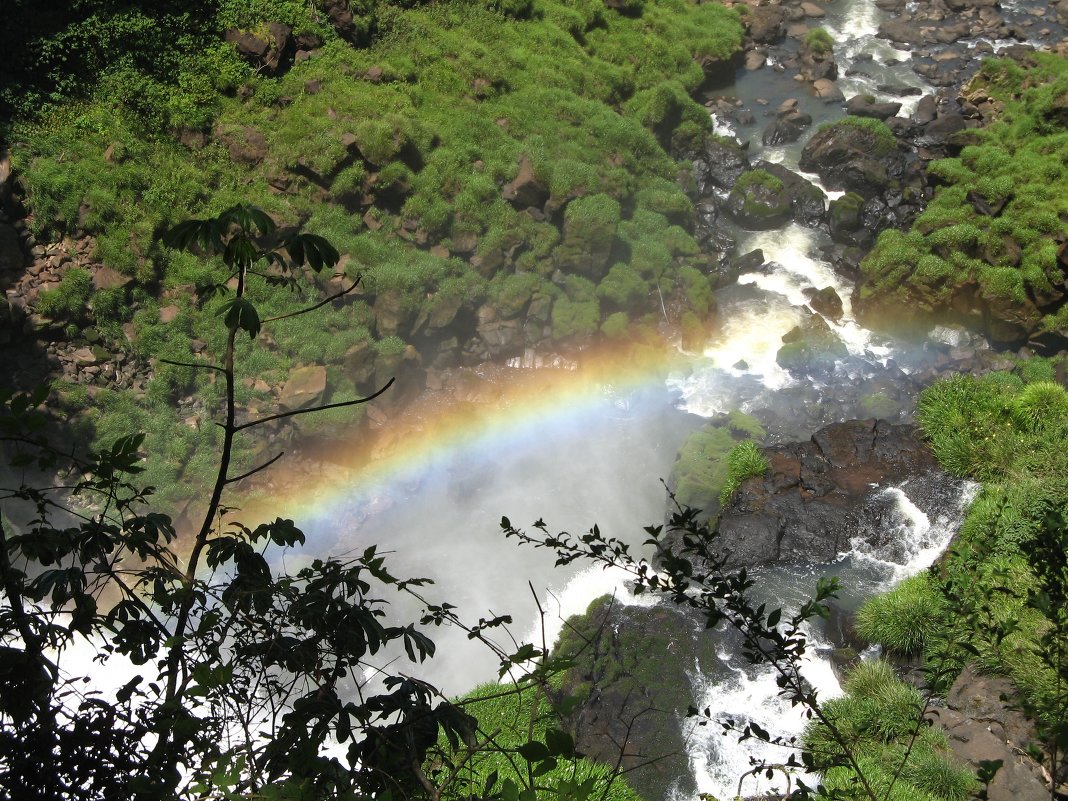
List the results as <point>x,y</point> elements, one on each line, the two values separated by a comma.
<point>741,357</point>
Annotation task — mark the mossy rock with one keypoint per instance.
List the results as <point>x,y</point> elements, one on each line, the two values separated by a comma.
<point>759,201</point>
<point>631,678</point>
<point>810,348</point>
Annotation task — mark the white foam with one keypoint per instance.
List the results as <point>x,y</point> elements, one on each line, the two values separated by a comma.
<point>718,759</point>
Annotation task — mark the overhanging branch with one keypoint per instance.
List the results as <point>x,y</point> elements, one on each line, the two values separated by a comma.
<point>318,305</point>
<point>323,408</point>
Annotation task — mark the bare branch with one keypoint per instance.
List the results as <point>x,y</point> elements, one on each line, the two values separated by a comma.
<point>318,305</point>
<point>194,365</point>
<point>323,408</point>
<point>255,470</point>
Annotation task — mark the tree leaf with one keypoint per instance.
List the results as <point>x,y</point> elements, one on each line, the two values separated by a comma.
<point>239,313</point>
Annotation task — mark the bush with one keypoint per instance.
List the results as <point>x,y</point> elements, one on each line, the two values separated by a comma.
<point>903,619</point>
<point>68,301</point>
<point>819,41</point>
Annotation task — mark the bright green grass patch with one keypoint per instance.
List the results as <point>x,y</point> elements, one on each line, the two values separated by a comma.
<point>745,460</point>
<point>905,618</point>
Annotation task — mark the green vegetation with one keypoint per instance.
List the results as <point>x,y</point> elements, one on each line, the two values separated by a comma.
<point>878,716</point>
<point>398,150</point>
<point>516,716</point>
<point>758,177</point>
<point>819,41</point>
<point>903,619</point>
<point>704,469</point>
<point>999,206</point>
<point>745,460</point>
<point>881,139</point>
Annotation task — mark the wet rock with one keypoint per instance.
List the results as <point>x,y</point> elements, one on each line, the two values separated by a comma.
<point>750,262</point>
<point>844,220</point>
<point>810,348</point>
<point>632,668</point>
<point>816,63</point>
<point>759,201</point>
<point>765,24</point>
<point>856,158</point>
<point>717,164</point>
<point>786,128</point>
<point>816,495</point>
<point>827,91</point>
<point>868,106</point>
<point>827,302</point>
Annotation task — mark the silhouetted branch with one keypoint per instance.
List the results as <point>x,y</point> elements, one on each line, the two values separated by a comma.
<point>255,470</point>
<point>323,408</point>
<point>318,305</point>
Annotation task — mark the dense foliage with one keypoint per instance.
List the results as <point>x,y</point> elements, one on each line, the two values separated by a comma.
<point>399,150</point>
<point>996,223</point>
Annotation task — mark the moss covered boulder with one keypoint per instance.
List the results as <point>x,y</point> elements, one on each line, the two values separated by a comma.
<point>810,348</point>
<point>589,231</point>
<point>631,678</point>
<point>858,154</point>
<point>759,201</point>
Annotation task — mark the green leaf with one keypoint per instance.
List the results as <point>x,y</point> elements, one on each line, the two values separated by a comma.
<point>239,313</point>
<point>533,751</point>
<point>560,743</point>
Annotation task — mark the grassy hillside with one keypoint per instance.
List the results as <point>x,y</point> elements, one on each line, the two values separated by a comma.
<point>473,161</point>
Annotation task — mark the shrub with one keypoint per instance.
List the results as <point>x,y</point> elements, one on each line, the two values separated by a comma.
<point>819,41</point>
<point>903,619</point>
<point>68,301</point>
<point>1041,405</point>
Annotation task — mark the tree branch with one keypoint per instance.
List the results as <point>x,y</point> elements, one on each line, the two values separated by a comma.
<point>322,408</point>
<point>318,305</point>
<point>194,365</point>
<point>255,470</point>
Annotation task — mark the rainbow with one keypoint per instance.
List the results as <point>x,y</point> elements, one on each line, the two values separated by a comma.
<point>486,409</point>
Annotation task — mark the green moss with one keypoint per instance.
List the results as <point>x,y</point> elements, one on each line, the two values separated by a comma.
<point>819,41</point>
<point>575,319</point>
<point>882,139</point>
<point>758,177</point>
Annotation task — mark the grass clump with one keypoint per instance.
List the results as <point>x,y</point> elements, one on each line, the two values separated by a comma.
<point>70,300</point>
<point>903,619</point>
<point>819,41</point>
<point>877,717</point>
<point>745,460</point>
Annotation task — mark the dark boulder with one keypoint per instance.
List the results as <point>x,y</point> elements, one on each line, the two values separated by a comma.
<point>858,156</point>
<point>827,302</point>
<point>844,221</point>
<point>759,201</point>
<point>786,128</point>
<point>868,106</point>
<point>717,164</point>
<point>632,676</point>
<point>818,495</point>
<point>765,24</point>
